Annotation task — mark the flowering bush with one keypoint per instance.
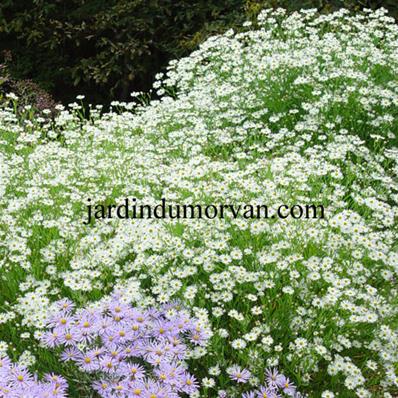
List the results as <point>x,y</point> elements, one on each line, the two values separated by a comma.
<point>299,109</point>
<point>17,382</point>
<point>138,353</point>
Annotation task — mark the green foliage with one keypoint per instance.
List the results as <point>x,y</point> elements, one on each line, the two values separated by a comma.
<point>108,48</point>
<point>28,92</point>
<point>105,48</point>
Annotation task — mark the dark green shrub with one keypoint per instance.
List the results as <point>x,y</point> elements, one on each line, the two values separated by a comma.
<point>27,91</point>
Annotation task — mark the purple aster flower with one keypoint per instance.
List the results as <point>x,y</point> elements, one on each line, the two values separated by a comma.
<point>110,337</point>
<point>65,305</point>
<point>162,329</point>
<point>130,351</point>
<point>123,333</point>
<point>266,392</point>
<point>119,310</point>
<point>70,354</point>
<point>132,371</point>
<point>58,381</point>
<point>137,388</point>
<point>277,385</point>
<point>137,329</point>
<point>156,389</point>
<point>170,373</point>
<point>119,389</point>
<point>62,319</point>
<point>138,316</point>
<point>103,387</point>
<point>287,386</point>
<point>5,365</point>
<point>19,376</point>
<point>189,384</point>
<point>70,337</point>
<point>153,314</point>
<point>250,394</point>
<point>104,324</point>
<point>88,362</point>
<point>51,338</point>
<point>239,375</point>
<point>97,352</point>
<point>273,377</point>
<point>154,352</point>
<point>115,352</point>
<point>178,347</point>
<point>172,305</point>
<point>87,321</point>
<point>108,364</point>
<point>183,323</point>
<point>198,336</point>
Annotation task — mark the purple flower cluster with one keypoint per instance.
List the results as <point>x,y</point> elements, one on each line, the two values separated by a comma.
<point>276,385</point>
<point>16,382</point>
<point>132,352</point>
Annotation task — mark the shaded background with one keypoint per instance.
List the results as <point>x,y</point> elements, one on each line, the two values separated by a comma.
<point>53,50</point>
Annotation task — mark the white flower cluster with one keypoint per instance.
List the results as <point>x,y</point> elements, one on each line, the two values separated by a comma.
<point>302,109</point>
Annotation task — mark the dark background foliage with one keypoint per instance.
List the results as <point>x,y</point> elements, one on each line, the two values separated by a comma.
<point>106,49</point>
